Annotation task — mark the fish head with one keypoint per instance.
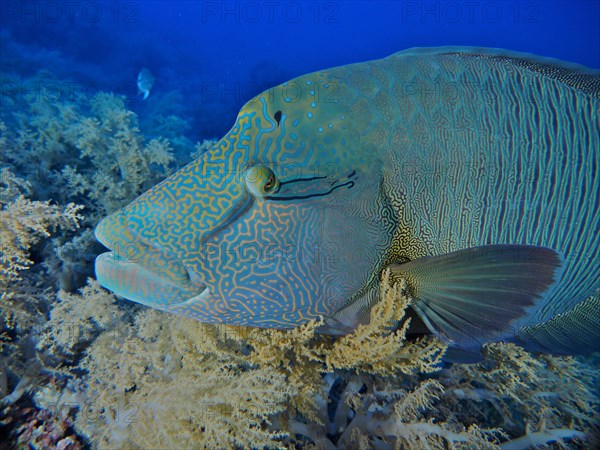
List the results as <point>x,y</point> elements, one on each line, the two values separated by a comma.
<point>281,221</point>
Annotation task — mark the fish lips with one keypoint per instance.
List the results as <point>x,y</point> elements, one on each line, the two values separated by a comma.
<point>139,271</point>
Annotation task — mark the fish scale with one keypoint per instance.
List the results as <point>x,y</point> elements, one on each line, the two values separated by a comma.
<point>551,207</point>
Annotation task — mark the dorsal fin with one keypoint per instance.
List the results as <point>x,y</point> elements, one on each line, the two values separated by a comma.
<point>578,77</point>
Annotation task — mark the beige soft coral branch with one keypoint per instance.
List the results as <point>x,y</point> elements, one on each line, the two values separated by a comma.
<point>377,347</point>
<point>23,222</point>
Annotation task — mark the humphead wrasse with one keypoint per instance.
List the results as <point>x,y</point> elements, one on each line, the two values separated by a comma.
<point>471,173</point>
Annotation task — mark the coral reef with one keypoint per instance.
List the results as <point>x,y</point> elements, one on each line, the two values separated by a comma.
<point>510,384</point>
<point>83,368</point>
<point>158,358</point>
<point>247,384</point>
<point>221,386</point>
<point>76,148</point>
<point>23,301</point>
<point>89,149</point>
<point>76,319</point>
<point>373,348</point>
<point>40,428</point>
<point>23,222</point>
<point>59,149</point>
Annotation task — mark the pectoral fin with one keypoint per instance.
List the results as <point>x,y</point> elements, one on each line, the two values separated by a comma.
<point>472,296</point>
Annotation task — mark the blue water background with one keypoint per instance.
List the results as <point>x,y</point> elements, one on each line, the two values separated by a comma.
<point>210,57</point>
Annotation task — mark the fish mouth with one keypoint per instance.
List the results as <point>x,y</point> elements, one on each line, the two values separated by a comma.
<point>140,270</point>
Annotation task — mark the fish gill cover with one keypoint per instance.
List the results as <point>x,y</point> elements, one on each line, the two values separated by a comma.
<point>82,368</point>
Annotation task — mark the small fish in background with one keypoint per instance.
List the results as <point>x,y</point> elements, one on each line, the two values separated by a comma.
<point>145,81</point>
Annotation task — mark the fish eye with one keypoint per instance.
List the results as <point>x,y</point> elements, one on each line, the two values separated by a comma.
<point>269,184</point>
<point>261,181</point>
